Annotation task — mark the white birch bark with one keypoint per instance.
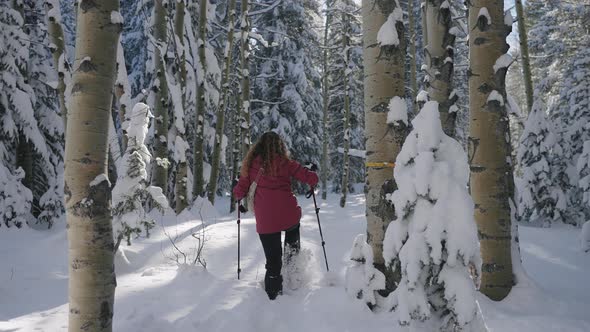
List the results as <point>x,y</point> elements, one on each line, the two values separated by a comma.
<point>438,57</point>
<point>198,153</point>
<point>412,45</point>
<point>489,147</point>
<point>326,102</point>
<point>161,162</point>
<point>91,269</point>
<point>524,54</point>
<point>346,75</point>
<point>245,76</point>
<point>216,158</point>
<point>181,190</point>
<point>384,79</point>
<point>57,48</point>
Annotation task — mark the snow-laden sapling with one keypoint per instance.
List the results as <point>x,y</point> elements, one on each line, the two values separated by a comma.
<point>433,239</point>
<point>15,198</point>
<point>132,189</point>
<point>363,280</point>
<point>541,199</point>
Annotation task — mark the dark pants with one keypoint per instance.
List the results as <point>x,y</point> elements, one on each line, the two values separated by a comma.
<point>271,243</point>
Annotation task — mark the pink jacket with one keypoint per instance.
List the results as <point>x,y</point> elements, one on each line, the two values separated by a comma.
<point>275,206</point>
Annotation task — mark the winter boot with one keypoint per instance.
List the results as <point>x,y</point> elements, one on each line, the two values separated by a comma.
<point>273,286</point>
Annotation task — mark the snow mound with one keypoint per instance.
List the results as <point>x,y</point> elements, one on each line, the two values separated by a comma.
<point>296,273</point>
<point>362,279</point>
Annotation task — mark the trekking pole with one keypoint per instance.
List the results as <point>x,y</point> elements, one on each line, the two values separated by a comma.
<point>317,213</point>
<point>239,270</point>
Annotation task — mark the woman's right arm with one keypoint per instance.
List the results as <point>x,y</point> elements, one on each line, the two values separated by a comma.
<point>302,174</point>
<point>241,189</point>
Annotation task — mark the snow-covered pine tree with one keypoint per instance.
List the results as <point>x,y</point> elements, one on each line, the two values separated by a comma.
<point>22,135</point>
<point>558,36</point>
<point>47,185</point>
<point>362,279</point>
<point>137,47</point>
<point>434,236</point>
<point>15,198</point>
<point>132,189</point>
<point>575,105</point>
<point>540,199</point>
<point>286,86</point>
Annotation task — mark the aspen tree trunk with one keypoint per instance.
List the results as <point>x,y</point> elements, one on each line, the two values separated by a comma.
<point>236,146</point>
<point>120,92</point>
<point>56,36</point>
<point>524,53</point>
<point>489,148</point>
<point>161,163</point>
<point>181,190</point>
<point>216,159</point>
<point>413,70</point>
<point>198,180</point>
<point>245,75</point>
<point>383,79</point>
<point>326,101</point>
<point>438,56</point>
<point>114,153</point>
<point>346,72</point>
<point>424,25</point>
<point>90,235</point>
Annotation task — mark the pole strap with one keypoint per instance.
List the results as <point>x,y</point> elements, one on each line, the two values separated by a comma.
<point>380,164</point>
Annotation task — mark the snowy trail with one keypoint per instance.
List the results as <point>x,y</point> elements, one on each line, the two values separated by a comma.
<point>154,293</point>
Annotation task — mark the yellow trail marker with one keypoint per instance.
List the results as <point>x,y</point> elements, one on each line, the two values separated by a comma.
<point>381,164</point>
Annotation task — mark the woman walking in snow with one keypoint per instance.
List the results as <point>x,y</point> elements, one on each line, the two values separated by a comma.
<point>275,207</point>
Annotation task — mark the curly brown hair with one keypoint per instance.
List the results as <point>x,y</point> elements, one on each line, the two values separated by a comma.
<point>269,146</point>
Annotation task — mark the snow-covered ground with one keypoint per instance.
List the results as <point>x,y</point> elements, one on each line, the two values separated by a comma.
<point>155,293</point>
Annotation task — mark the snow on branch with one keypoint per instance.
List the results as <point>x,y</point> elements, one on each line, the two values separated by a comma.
<point>354,152</point>
<point>484,14</point>
<point>387,34</point>
<point>504,61</point>
<point>496,96</point>
<point>398,111</point>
